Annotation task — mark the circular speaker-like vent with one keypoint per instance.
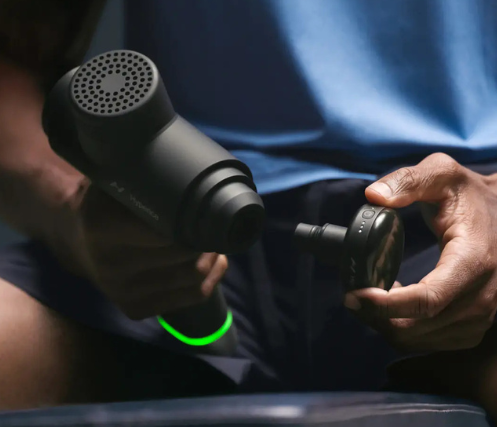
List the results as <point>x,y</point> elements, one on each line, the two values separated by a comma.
<point>113,83</point>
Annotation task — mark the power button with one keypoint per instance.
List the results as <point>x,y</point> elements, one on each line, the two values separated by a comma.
<point>368,214</point>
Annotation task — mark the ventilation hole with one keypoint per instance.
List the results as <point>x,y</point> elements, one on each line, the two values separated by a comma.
<point>135,78</point>
<point>95,104</point>
<point>107,93</point>
<point>111,105</point>
<point>99,81</point>
<point>84,105</point>
<point>85,96</point>
<point>77,80</point>
<point>121,97</point>
<point>123,53</point>
<point>148,85</point>
<point>76,90</point>
<point>116,53</point>
<point>125,74</point>
<point>104,68</point>
<point>101,99</point>
<point>103,105</point>
<point>140,86</point>
<point>89,108</point>
<point>110,71</point>
<point>125,66</point>
<point>107,99</point>
<point>130,54</point>
<point>90,87</point>
<point>77,96</point>
<point>142,95</point>
<point>116,110</point>
<point>114,99</point>
<point>85,79</point>
<point>125,101</point>
<point>122,60</point>
<point>92,92</point>
<point>127,93</point>
<point>132,96</point>
<point>98,72</point>
<point>126,84</point>
<point>100,64</point>
<point>103,75</point>
<point>118,104</point>
<point>130,61</point>
<point>102,111</point>
<point>137,91</point>
<point>88,73</point>
<point>127,79</point>
<point>109,111</point>
<point>122,89</point>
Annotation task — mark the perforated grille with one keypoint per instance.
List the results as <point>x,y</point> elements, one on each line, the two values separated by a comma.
<point>112,82</point>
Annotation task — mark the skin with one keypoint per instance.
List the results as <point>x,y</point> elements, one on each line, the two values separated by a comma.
<point>450,312</point>
<point>451,309</point>
<point>94,237</point>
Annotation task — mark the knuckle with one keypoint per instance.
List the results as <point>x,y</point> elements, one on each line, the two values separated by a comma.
<point>432,304</point>
<point>223,260</point>
<point>406,178</point>
<point>445,163</point>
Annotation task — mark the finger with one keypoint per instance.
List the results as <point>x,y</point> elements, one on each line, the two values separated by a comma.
<point>453,275</point>
<point>206,261</point>
<point>215,275</point>
<point>432,180</point>
<point>396,284</point>
<point>456,336</point>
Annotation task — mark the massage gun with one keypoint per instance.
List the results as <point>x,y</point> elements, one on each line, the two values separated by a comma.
<point>369,252</point>
<point>112,119</point>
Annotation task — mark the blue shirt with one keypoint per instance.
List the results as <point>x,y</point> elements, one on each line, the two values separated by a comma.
<point>306,90</point>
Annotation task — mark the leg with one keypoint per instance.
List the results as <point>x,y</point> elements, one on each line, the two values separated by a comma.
<point>46,359</point>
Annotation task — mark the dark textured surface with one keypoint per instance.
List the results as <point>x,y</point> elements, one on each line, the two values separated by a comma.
<point>337,409</point>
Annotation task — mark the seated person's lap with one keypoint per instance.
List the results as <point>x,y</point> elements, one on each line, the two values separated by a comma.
<point>288,310</point>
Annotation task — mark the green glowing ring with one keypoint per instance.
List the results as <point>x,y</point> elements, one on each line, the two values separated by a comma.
<point>198,341</point>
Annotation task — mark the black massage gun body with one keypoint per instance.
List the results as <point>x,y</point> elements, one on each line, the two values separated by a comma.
<point>112,119</point>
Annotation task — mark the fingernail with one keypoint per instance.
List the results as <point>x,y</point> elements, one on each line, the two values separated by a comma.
<point>352,303</point>
<point>382,189</point>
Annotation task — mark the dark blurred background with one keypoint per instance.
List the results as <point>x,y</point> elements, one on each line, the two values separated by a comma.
<point>109,36</point>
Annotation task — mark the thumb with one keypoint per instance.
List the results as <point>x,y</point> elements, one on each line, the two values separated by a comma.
<point>432,180</point>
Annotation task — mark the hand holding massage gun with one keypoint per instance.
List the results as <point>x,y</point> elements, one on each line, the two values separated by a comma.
<point>112,119</point>
<point>369,252</point>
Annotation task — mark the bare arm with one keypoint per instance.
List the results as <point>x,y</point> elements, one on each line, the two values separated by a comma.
<point>39,41</point>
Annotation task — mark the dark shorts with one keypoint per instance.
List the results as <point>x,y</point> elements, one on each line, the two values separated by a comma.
<point>294,332</point>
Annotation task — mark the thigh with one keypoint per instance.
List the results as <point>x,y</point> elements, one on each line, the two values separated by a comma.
<point>46,359</point>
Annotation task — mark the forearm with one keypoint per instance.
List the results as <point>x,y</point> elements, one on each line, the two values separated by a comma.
<point>37,189</point>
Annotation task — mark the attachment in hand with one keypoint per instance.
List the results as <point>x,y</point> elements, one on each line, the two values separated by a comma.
<point>369,252</point>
